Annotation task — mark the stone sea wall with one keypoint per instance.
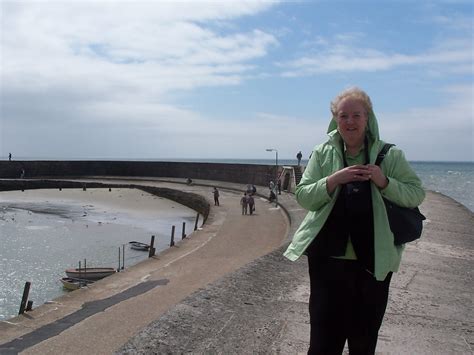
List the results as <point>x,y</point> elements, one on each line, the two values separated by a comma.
<point>237,173</point>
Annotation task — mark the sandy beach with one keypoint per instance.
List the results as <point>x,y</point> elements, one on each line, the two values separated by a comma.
<point>132,201</point>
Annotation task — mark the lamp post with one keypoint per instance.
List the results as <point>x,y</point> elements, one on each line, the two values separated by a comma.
<point>276,171</point>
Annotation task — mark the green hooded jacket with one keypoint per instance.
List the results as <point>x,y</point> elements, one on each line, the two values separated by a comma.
<point>404,189</point>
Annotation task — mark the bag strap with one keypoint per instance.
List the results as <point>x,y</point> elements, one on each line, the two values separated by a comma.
<point>383,152</point>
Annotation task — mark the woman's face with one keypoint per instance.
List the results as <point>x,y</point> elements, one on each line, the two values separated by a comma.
<point>351,119</point>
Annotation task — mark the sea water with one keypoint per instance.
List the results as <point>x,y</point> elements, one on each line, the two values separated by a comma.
<point>453,179</point>
<point>42,236</point>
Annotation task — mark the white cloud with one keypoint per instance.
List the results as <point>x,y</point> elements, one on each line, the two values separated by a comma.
<point>342,57</point>
<point>81,76</point>
<point>127,51</point>
<point>444,132</point>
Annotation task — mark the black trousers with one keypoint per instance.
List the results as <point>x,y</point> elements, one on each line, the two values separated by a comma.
<point>346,303</point>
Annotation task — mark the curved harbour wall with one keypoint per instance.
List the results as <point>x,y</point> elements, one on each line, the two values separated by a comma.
<point>238,173</point>
<point>191,200</point>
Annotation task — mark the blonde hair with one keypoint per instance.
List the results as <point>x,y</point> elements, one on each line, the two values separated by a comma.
<point>353,93</point>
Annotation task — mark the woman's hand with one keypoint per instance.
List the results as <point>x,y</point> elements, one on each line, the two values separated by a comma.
<point>346,175</point>
<point>377,176</point>
<point>357,173</point>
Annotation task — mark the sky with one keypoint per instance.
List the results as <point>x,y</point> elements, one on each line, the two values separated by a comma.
<point>229,79</point>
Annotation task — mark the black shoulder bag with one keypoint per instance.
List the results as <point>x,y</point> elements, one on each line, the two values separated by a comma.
<point>406,223</point>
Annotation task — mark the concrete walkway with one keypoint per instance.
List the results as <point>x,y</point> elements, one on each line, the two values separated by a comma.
<point>262,308</point>
<point>210,303</point>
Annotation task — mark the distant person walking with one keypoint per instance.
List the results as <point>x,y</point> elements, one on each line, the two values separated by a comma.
<point>279,186</point>
<point>251,203</point>
<point>9,156</point>
<point>251,189</point>
<point>22,173</point>
<point>216,196</point>
<point>299,156</point>
<point>272,188</point>
<point>244,203</point>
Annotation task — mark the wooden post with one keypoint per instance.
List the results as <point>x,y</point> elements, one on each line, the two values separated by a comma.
<point>172,236</point>
<point>197,220</point>
<point>123,256</point>
<point>183,233</point>
<point>118,269</point>
<point>152,249</point>
<point>24,299</point>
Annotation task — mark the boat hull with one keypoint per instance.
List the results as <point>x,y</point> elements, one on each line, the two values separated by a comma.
<point>139,246</point>
<point>74,284</point>
<point>90,273</point>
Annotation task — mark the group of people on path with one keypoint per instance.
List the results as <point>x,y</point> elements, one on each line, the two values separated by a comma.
<point>248,203</point>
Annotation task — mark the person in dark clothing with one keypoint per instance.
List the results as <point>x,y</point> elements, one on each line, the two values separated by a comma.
<point>251,203</point>
<point>279,186</point>
<point>299,156</point>
<point>215,192</point>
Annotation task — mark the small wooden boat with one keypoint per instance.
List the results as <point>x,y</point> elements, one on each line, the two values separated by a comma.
<point>90,273</point>
<point>72,284</point>
<point>139,246</point>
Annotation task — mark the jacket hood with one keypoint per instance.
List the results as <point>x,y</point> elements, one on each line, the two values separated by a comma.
<point>372,127</point>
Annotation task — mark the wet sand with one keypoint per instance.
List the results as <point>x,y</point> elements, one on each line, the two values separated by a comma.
<point>132,201</point>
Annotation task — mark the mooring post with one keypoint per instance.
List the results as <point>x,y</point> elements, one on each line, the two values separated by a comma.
<point>24,299</point>
<point>172,236</point>
<point>123,256</point>
<point>118,269</point>
<point>152,249</point>
<point>197,220</point>
<point>183,233</point>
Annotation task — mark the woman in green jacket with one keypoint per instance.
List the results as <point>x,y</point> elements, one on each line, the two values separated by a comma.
<point>346,235</point>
